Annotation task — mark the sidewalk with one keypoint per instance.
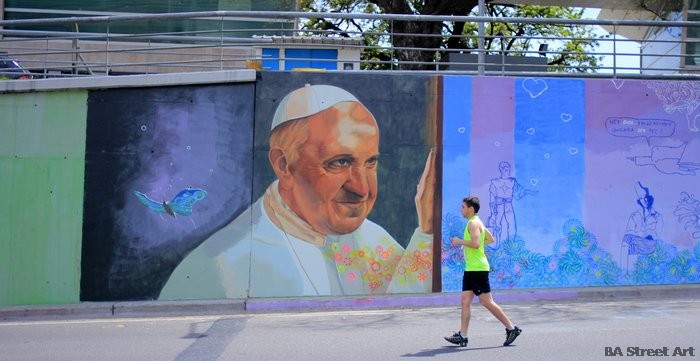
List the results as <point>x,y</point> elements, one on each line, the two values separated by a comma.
<point>309,304</point>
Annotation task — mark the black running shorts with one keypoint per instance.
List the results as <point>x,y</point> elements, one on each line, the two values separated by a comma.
<point>476,281</point>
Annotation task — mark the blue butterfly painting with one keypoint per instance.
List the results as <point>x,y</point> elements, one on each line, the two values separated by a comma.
<point>181,204</point>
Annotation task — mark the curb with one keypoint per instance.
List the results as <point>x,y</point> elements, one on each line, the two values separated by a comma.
<point>87,310</point>
<point>452,299</point>
<point>127,309</point>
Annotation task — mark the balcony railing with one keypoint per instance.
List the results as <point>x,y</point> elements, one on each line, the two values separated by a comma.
<point>57,47</point>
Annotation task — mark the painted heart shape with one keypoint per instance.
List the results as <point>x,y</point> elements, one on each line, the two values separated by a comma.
<point>534,87</point>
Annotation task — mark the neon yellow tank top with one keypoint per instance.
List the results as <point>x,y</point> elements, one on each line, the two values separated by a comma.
<point>475,258</point>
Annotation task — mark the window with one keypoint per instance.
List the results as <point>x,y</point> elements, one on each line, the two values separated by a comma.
<point>691,37</point>
<point>311,58</point>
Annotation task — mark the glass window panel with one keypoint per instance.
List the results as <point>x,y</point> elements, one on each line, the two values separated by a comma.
<point>693,32</point>
<point>693,52</point>
<point>693,4</point>
<point>199,27</point>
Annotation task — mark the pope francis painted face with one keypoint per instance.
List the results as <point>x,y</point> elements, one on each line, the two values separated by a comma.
<point>332,182</point>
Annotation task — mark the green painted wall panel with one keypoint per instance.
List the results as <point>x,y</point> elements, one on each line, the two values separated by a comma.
<point>47,125</point>
<point>6,232</point>
<point>44,172</point>
<point>8,115</point>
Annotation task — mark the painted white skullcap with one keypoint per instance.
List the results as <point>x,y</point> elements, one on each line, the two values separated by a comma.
<point>309,100</point>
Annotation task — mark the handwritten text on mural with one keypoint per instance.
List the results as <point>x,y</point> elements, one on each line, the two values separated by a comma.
<point>634,127</point>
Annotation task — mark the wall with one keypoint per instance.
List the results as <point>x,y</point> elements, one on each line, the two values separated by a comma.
<point>145,147</point>
<point>583,182</point>
<point>189,146</point>
<point>42,147</point>
<point>161,194</point>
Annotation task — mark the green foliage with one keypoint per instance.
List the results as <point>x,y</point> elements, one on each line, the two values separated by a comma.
<point>569,45</point>
<point>372,32</point>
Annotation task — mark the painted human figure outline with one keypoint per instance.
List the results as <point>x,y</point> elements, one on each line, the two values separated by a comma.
<point>688,213</point>
<point>643,226</point>
<point>308,234</point>
<point>502,191</point>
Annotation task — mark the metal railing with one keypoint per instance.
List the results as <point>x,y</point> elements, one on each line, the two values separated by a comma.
<point>73,53</point>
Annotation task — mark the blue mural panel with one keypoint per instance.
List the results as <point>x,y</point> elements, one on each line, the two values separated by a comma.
<point>457,134</point>
<point>549,157</point>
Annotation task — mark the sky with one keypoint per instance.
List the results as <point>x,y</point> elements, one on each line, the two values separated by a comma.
<point>622,46</point>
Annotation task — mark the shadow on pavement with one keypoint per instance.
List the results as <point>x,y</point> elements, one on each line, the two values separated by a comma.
<point>447,349</point>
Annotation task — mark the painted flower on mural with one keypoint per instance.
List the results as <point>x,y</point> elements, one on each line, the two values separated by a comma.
<point>571,263</point>
<point>380,266</point>
<point>512,263</point>
<point>580,262</point>
<point>576,236</point>
<point>667,265</point>
<point>452,258</point>
<point>576,260</point>
<point>605,270</point>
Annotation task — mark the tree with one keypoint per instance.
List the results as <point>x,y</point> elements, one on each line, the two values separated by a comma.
<point>419,44</point>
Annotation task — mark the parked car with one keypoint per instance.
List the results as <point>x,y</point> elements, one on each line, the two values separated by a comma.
<point>11,69</point>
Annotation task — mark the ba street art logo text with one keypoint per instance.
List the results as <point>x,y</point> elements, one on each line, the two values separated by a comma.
<point>641,351</point>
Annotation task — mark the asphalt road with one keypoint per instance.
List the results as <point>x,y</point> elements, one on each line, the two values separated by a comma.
<point>629,329</point>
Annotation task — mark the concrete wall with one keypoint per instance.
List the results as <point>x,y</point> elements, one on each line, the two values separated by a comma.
<point>42,162</point>
<point>584,183</point>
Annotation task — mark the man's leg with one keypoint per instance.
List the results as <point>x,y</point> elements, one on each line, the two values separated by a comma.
<point>487,301</point>
<point>512,331</point>
<point>460,338</point>
<point>467,298</point>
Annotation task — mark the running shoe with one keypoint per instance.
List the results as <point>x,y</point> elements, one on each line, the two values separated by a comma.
<point>511,335</point>
<point>457,339</point>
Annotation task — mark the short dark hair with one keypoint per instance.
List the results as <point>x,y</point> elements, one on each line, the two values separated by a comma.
<point>473,202</point>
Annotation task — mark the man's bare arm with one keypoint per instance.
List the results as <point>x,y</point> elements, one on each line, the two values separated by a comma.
<point>475,233</point>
